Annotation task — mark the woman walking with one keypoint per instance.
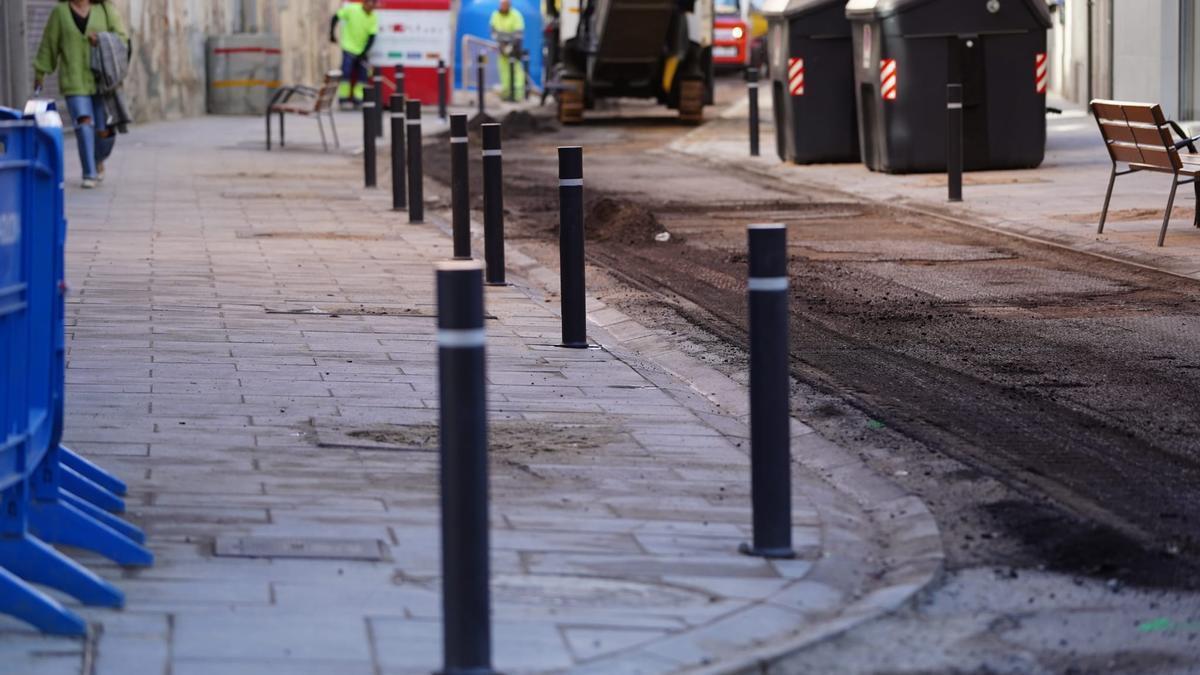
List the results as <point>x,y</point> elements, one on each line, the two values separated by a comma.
<point>67,47</point>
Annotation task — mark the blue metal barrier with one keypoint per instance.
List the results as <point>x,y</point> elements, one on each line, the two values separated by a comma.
<point>48,494</point>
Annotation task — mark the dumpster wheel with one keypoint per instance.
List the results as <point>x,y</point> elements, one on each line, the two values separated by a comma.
<point>691,101</point>
<point>570,102</point>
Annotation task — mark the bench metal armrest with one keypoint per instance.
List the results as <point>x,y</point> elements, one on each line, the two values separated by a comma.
<point>1187,142</point>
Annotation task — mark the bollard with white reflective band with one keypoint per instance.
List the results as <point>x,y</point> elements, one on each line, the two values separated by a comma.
<point>460,188</point>
<point>752,88</point>
<point>481,82</point>
<point>770,416</point>
<point>443,86</point>
<point>525,69</point>
<point>466,603</point>
<point>416,188</point>
<point>570,247</point>
<point>954,140</point>
<point>377,97</point>
<point>399,176</point>
<point>493,206</point>
<point>368,109</point>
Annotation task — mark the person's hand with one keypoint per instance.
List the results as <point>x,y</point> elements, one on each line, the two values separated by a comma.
<point>37,83</point>
<point>333,40</point>
<point>93,38</point>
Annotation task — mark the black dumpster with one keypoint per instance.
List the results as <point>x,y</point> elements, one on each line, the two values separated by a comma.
<point>907,51</point>
<point>812,81</point>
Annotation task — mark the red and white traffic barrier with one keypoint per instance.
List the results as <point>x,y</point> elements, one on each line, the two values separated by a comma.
<point>887,79</point>
<point>1041,73</point>
<point>796,76</point>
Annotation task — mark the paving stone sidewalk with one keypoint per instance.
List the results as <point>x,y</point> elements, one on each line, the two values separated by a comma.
<point>251,345</point>
<point>1058,202</point>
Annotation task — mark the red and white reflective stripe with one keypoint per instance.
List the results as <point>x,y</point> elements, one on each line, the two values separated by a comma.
<point>796,76</point>
<point>887,79</point>
<point>1041,73</point>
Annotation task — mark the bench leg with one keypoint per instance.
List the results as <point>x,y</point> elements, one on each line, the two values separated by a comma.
<point>1162,234</point>
<point>268,131</point>
<point>321,128</point>
<point>1196,188</point>
<point>282,142</point>
<point>333,125</point>
<point>1112,179</point>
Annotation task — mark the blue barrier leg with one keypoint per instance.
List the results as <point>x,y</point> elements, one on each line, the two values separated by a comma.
<point>131,531</point>
<point>30,605</point>
<point>73,460</point>
<point>85,488</point>
<point>34,561</point>
<point>62,523</point>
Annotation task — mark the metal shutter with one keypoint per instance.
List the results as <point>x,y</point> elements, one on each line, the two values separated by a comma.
<point>36,14</point>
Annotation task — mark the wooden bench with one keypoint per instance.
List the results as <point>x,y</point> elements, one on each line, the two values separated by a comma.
<point>306,102</point>
<point>1139,136</point>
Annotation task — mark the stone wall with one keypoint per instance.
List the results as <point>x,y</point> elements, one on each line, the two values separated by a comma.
<point>167,77</point>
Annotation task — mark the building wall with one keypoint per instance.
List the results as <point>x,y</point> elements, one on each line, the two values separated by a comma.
<point>167,76</point>
<point>1146,52</point>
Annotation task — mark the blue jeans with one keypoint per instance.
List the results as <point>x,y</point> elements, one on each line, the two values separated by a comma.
<point>85,134</point>
<point>354,77</point>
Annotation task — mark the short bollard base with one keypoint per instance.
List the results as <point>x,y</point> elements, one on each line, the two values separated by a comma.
<point>780,553</point>
<point>468,671</point>
<point>496,283</point>
<point>574,345</point>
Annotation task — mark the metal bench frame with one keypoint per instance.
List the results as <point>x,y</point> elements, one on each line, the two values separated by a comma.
<point>312,103</point>
<point>1139,136</point>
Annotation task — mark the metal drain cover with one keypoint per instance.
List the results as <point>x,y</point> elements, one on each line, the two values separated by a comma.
<point>284,547</point>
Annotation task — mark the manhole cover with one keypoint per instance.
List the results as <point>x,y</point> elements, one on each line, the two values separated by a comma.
<point>280,547</point>
<point>322,196</point>
<point>582,591</point>
<point>503,437</point>
<point>301,234</point>
<point>360,310</point>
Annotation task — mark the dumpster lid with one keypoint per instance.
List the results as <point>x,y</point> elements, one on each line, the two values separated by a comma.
<point>879,9</point>
<point>788,8</point>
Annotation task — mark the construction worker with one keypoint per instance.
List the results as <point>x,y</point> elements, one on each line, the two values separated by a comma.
<point>360,24</point>
<point>508,31</point>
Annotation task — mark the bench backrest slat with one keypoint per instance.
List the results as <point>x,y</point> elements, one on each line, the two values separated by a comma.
<point>328,91</point>
<point>1137,133</point>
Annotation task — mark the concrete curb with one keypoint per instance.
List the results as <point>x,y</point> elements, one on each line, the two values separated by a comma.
<point>902,526</point>
<point>959,215</point>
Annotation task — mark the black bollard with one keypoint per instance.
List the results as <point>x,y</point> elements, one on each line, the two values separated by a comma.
<point>416,188</point>
<point>525,69</point>
<point>377,97</point>
<point>460,188</point>
<point>481,82</point>
<point>770,417</point>
<point>466,622</point>
<point>369,141</point>
<point>752,87</point>
<point>954,140</point>
<point>570,247</point>
<point>399,191</point>
<point>493,206</point>
<point>442,88</point>
<point>512,79</point>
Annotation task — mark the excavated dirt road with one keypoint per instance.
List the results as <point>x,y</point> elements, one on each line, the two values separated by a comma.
<point>1044,403</point>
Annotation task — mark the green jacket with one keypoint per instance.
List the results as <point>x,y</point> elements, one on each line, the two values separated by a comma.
<point>68,51</point>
